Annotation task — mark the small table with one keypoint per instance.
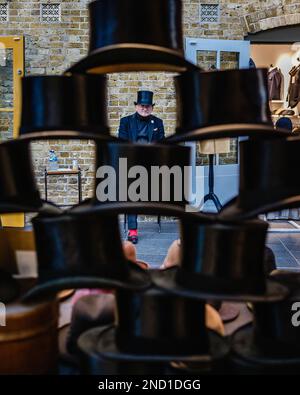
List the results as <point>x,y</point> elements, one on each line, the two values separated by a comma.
<point>63,172</point>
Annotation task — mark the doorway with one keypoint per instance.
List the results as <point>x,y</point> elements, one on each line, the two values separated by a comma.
<point>279,51</point>
<point>221,55</point>
<point>11,72</point>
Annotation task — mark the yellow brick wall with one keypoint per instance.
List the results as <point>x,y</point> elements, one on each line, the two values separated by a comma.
<point>52,48</point>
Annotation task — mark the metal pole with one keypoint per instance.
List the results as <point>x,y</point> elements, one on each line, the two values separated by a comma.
<point>46,187</point>
<point>79,186</point>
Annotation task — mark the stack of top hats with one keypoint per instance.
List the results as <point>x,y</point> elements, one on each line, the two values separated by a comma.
<point>160,315</point>
<point>271,344</point>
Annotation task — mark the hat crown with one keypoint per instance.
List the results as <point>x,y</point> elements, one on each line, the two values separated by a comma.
<point>156,23</point>
<point>52,103</point>
<point>155,322</point>
<point>230,91</point>
<point>145,97</point>
<point>234,267</point>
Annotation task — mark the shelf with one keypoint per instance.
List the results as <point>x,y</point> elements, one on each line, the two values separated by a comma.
<point>62,172</point>
<point>287,116</point>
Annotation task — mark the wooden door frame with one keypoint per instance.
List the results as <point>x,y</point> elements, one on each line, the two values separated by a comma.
<point>16,43</point>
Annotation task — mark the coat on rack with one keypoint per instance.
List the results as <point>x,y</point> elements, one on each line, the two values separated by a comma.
<point>294,87</point>
<point>274,84</point>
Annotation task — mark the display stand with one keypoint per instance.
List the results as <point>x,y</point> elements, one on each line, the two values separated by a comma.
<point>211,185</point>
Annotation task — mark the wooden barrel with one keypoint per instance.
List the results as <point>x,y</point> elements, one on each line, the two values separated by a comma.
<point>29,341</point>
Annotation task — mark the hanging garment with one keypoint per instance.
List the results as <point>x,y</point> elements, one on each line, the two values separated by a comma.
<point>294,87</point>
<point>274,84</point>
<point>220,146</point>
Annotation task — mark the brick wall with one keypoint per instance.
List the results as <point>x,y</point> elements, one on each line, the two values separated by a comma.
<point>51,48</point>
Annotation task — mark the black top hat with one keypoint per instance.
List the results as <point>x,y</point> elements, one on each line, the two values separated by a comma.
<point>272,342</point>
<point>144,98</point>
<point>275,329</point>
<point>122,157</point>
<point>76,252</point>
<point>156,326</point>
<point>268,178</point>
<point>70,106</point>
<point>213,264</point>
<point>222,261</point>
<point>18,189</point>
<point>131,37</point>
<point>219,104</point>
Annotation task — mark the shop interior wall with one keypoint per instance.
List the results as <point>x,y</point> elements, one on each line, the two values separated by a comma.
<point>279,55</point>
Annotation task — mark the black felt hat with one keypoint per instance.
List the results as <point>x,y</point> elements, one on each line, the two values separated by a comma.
<point>154,326</point>
<point>76,252</point>
<point>144,98</point>
<point>128,36</point>
<point>271,344</point>
<point>222,261</point>
<point>277,325</point>
<point>69,106</point>
<point>152,159</point>
<point>18,189</point>
<point>247,357</point>
<point>219,104</point>
<point>268,178</point>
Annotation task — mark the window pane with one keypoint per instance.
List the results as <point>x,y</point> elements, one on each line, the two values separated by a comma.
<point>207,60</point>
<point>229,60</point>
<point>232,157</point>
<point>6,78</point>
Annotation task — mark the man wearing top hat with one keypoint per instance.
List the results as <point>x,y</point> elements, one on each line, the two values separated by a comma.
<point>141,127</point>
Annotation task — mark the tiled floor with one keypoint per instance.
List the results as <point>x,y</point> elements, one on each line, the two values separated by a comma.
<point>286,248</point>
<point>153,246</point>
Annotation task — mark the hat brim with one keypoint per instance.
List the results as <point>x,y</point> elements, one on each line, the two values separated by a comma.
<point>132,57</point>
<point>227,131</point>
<point>232,211</point>
<point>166,280</point>
<point>31,134</point>
<point>100,344</point>
<point>144,104</point>
<point>245,348</point>
<point>44,207</point>
<point>8,208</point>
<point>136,279</point>
<point>146,208</point>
